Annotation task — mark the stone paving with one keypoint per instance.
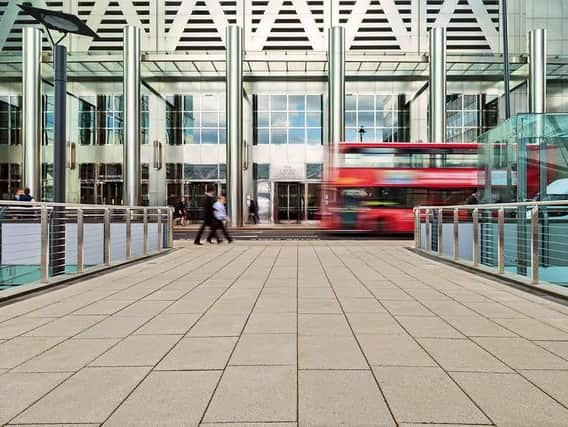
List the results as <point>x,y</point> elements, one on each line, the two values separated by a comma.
<point>313,333</point>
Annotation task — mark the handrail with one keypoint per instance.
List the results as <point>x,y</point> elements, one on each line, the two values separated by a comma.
<point>537,232</point>
<point>76,205</point>
<point>497,205</point>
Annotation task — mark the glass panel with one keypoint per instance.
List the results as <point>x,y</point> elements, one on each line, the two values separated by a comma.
<point>296,136</point>
<point>278,136</point>
<point>262,136</point>
<point>350,102</point>
<point>209,103</point>
<point>297,119</point>
<point>297,103</point>
<point>278,103</point>
<point>262,102</point>
<point>262,171</point>
<point>191,136</point>
<point>350,119</point>
<point>366,102</point>
<point>314,170</point>
<point>278,119</point>
<point>314,119</point>
<point>315,136</point>
<point>209,119</point>
<point>366,119</point>
<point>314,102</point>
<point>209,136</point>
<point>263,119</point>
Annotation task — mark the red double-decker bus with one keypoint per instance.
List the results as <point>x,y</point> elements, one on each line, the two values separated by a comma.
<point>374,187</point>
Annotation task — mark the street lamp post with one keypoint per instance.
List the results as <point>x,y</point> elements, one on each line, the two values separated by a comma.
<point>63,23</point>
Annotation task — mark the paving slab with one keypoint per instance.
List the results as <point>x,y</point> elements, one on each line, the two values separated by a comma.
<point>138,350</point>
<point>520,353</point>
<point>65,326</point>
<point>218,325</point>
<point>20,390</point>
<point>329,352</point>
<point>560,348</point>
<point>555,383</point>
<point>393,350</point>
<point>114,327</point>
<point>462,355</point>
<point>407,308</point>
<point>318,306</point>
<point>340,398</point>
<point>168,324</point>
<point>107,307</point>
<point>374,323</point>
<point>361,305</point>
<point>265,349</point>
<point>271,323</point>
<point>69,356</point>
<point>255,394</point>
<point>426,395</point>
<point>510,400</point>
<point>323,324</point>
<point>428,327</point>
<point>478,327</point>
<point>21,349</point>
<point>199,353</point>
<point>89,396</point>
<point>144,308</point>
<point>20,325</point>
<point>533,329</point>
<point>167,398</point>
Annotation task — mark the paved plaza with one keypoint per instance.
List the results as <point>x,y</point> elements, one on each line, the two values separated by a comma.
<point>309,333</point>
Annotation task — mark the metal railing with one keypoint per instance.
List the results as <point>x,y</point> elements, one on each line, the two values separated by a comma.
<point>528,239</point>
<point>43,241</point>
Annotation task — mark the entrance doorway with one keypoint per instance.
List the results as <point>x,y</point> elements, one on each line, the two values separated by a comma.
<point>289,202</point>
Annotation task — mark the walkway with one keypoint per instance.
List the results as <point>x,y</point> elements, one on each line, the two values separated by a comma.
<point>285,333</point>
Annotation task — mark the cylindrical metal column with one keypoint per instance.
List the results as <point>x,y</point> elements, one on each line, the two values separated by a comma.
<point>234,100</point>
<point>336,84</point>
<point>437,100</point>
<point>537,78</point>
<point>60,124</point>
<point>131,98</point>
<point>31,103</point>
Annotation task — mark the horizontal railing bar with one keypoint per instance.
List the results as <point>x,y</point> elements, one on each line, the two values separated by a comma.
<point>498,205</point>
<point>76,205</point>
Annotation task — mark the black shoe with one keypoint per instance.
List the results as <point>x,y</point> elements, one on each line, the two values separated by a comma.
<point>230,240</point>
<point>210,241</point>
<point>219,242</point>
<point>198,243</point>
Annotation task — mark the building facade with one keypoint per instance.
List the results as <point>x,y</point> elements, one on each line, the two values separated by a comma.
<point>285,90</point>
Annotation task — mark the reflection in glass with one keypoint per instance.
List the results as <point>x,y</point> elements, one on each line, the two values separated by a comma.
<point>262,102</point>
<point>297,119</point>
<point>296,136</point>
<point>278,136</point>
<point>278,119</point>
<point>278,103</point>
<point>209,119</point>
<point>313,102</point>
<point>314,119</point>
<point>366,119</point>
<point>262,135</point>
<point>297,102</point>
<point>209,103</point>
<point>350,118</point>
<point>314,136</point>
<point>209,136</point>
<point>263,119</point>
<point>366,103</point>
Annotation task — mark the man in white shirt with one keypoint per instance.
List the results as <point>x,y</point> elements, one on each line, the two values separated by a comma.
<point>220,214</point>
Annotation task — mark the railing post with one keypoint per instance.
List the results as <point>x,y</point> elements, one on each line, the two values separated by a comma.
<point>417,228</point>
<point>159,224</point>
<point>170,228</point>
<point>440,234</point>
<point>427,232</point>
<point>501,240</point>
<point>456,234</point>
<point>106,248</point>
<point>534,246</point>
<point>44,254</point>
<point>80,241</point>
<point>145,232</point>
<point>128,240</point>
<point>475,219</point>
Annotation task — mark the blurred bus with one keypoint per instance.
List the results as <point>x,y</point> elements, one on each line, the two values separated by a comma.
<point>374,187</point>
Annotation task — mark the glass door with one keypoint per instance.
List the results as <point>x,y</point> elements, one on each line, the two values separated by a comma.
<point>288,202</point>
<point>313,201</point>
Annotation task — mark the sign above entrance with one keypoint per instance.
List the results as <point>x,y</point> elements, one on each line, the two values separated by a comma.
<point>288,172</point>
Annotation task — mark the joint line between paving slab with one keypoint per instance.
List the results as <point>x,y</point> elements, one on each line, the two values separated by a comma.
<point>195,323</point>
<point>242,329</point>
<point>515,371</point>
<point>415,340</point>
<point>355,336</point>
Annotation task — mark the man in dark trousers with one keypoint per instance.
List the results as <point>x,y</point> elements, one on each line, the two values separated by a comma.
<point>208,215</point>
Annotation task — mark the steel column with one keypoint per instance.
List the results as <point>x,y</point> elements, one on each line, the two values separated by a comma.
<point>170,228</point>
<point>440,234</point>
<point>106,237</point>
<point>128,243</point>
<point>437,98</point>
<point>427,231</point>
<point>234,108</point>
<point>159,229</point>
<point>31,106</point>
<point>537,71</point>
<point>534,246</point>
<point>336,85</point>
<point>145,232</point>
<point>131,98</point>
<point>44,245</point>
<point>456,233</point>
<point>501,240</point>
<point>80,241</point>
<point>475,220</point>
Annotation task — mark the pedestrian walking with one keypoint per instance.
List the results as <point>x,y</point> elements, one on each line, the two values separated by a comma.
<point>208,216</point>
<point>179,212</point>
<point>220,214</point>
<point>252,211</point>
<point>26,197</point>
